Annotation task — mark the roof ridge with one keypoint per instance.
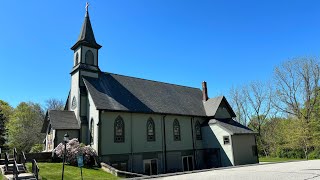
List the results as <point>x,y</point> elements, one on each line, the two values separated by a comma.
<point>60,110</point>
<point>152,80</point>
<point>216,97</point>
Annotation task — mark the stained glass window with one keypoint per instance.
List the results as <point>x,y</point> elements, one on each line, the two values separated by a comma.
<point>176,130</point>
<point>119,130</point>
<point>198,131</point>
<point>150,130</point>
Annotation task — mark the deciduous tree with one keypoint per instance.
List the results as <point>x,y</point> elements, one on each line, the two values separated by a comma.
<point>54,104</point>
<point>297,94</point>
<point>239,102</point>
<point>24,128</point>
<point>297,87</point>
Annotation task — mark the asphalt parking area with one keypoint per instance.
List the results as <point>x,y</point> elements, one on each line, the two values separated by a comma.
<point>290,170</point>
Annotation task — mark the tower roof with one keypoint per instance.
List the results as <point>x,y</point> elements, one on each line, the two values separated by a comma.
<point>86,35</point>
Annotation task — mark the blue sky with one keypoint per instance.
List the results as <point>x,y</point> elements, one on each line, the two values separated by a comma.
<point>226,43</point>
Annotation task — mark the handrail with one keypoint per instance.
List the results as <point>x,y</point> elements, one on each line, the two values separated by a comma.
<point>15,170</point>
<point>6,161</point>
<point>15,154</point>
<point>35,169</point>
<point>23,160</point>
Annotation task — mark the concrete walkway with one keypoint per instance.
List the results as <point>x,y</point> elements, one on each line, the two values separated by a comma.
<point>289,170</point>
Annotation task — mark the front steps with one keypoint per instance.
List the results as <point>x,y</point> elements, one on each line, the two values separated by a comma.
<point>12,170</point>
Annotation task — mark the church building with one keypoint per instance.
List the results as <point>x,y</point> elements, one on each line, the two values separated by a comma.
<point>146,126</point>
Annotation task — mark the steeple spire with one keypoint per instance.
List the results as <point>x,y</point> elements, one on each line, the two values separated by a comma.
<point>86,35</point>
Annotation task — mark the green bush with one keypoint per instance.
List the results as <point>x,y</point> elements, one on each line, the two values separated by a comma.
<point>315,154</point>
<point>36,148</point>
<point>289,153</point>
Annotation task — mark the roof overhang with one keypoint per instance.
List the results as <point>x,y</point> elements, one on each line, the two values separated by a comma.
<point>232,127</point>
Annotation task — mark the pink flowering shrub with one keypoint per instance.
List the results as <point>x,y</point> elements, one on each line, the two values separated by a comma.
<point>74,148</point>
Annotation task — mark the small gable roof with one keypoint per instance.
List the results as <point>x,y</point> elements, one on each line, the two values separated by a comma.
<point>211,106</point>
<point>60,120</point>
<point>122,93</point>
<point>232,126</point>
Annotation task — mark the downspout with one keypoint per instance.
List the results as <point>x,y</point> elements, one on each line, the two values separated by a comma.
<point>99,135</point>
<point>255,141</point>
<point>79,117</point>
<point>131,159</point>
<point>55,138</point>
<point>164,144</point>
<point>193,144</point>
<point>232,149</point>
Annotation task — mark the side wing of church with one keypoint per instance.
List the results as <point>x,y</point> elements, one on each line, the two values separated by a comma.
<point>145,126</point>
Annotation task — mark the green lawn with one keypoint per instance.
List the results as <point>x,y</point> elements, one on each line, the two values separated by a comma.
<point>53,171</point>
<point>272,159</point>
<point>1,176</point>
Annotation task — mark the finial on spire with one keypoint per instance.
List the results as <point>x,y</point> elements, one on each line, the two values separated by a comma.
<point>87,6</point>
<point>87,12</point>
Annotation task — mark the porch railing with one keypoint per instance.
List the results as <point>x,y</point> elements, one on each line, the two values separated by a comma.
<point>35,169</point>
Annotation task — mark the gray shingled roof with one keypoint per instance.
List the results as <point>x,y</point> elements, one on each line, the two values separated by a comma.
<point>63,119</point>
<point>211,106</point>
<point>232,126</point>
<point>123,93</point>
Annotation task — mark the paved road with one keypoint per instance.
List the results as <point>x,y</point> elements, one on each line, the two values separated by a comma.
<point>289,170</point>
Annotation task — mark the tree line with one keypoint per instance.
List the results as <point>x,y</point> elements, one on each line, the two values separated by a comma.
<point>20,127</point>
<point>284,111</point>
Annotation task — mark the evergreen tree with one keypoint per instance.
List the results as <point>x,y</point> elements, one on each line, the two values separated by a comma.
<point>3,131</point>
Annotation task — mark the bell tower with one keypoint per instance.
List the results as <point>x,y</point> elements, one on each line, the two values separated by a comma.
<point>86,48</point>
<point>85,64</point>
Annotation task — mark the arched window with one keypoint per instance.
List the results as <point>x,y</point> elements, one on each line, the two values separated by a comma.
<point>89,57</point>
<point>91,131</point>
<point>150,130</point>
<point>176,130</point>
<point>198,130</point>
<point>76,60</point>
<point>118,130</point>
